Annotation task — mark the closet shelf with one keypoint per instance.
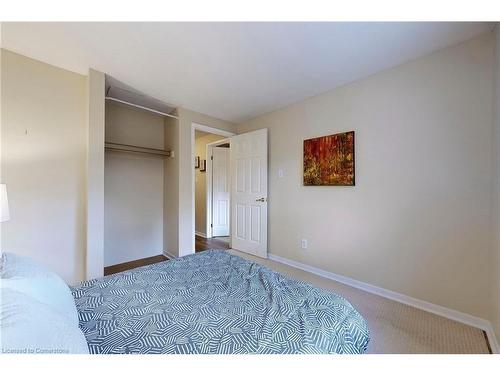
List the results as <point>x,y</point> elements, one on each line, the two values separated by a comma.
<point>137,150</point>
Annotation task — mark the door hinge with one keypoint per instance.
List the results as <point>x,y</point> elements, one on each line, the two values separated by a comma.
<point>211,157</point>
<point>211,225</point>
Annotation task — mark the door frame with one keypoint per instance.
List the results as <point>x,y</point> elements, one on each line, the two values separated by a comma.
<point>209,179</point>
<point>207,129</point>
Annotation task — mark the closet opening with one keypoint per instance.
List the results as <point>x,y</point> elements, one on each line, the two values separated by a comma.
<point>136,160</point>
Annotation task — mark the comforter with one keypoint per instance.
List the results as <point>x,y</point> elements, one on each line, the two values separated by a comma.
<point>214,302</point>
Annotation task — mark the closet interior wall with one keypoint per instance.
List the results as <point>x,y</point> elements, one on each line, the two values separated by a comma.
<point>135,185</point>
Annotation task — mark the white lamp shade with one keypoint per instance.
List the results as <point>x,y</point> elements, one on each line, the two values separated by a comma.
<point>4,204</point>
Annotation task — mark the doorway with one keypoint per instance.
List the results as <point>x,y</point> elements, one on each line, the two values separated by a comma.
<point>211,195</point>
<point>218,190</point>
<point>248,166</point>
<point>218,193</point>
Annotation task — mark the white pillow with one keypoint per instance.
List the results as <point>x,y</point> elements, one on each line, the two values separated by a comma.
<point>14,265</point>
<point>51,291</point>
<point>26,276</point>
<point>28,326</point>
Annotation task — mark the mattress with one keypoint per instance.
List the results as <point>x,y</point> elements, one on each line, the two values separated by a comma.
<point>215,303</point>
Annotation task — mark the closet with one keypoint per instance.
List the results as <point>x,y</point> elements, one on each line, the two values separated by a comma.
<point>135,167</point>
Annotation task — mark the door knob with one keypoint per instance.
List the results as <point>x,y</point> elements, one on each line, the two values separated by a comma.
<point>261,199</point>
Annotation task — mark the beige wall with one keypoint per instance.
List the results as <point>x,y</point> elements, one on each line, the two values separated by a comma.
<point>201,183</point>
<point>417,222</point>
<point>129,125</point>
<point>495,263</point>
<point>44,140</point>
<point>186,181</point>
<point>133,187</point>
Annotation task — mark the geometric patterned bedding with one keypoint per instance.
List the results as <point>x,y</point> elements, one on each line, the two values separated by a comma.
<point>214,302</point>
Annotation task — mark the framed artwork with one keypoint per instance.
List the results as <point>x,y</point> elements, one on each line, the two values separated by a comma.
<point>197,162</point>
<point>203,165</point>
<point>329,160</point>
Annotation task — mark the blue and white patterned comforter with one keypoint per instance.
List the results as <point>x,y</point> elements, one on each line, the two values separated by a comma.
<point>214,302</point>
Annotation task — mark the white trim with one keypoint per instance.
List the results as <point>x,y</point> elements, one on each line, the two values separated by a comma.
<point>208,192</point>
<point>395,296</point>
<point>209,129</point>
<point>169,255</point>
<point>204,128</point>
<point>96,124</point>
<point>492,338</point>
<point>200,234</point>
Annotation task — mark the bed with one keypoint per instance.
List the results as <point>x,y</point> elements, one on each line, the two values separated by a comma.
<point>214,303</point>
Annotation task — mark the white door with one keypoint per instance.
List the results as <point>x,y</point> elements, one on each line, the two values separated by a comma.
<point>220,191</point>
<point>249,192</point>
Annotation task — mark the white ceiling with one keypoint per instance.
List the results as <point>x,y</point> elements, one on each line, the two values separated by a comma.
<point>233,71</point>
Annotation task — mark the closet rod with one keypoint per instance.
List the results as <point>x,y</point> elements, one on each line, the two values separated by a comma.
<point>137,150</point>
<point>141,107</point>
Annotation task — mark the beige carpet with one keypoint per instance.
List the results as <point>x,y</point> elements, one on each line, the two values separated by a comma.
<point>395,327</point>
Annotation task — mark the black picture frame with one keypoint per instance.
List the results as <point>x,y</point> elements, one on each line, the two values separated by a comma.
<point>203,165</point>
<point>197,162</point>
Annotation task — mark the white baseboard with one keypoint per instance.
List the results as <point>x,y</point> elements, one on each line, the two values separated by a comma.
<point>201,234</point>
<point>402,298</point>
<point>169,255</point>
<point>492,338</point>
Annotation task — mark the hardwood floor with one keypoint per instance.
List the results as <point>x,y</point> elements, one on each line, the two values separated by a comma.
<point>202,244</point>
<point>133,264</point>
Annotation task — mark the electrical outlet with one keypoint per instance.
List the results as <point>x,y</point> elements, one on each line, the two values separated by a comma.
<point>303,243</point>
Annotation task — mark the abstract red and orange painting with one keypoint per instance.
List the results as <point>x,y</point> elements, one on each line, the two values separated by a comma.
<point>329,160</point>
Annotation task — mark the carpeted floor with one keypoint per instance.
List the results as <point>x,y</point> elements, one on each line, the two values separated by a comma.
<point>395,327</point>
